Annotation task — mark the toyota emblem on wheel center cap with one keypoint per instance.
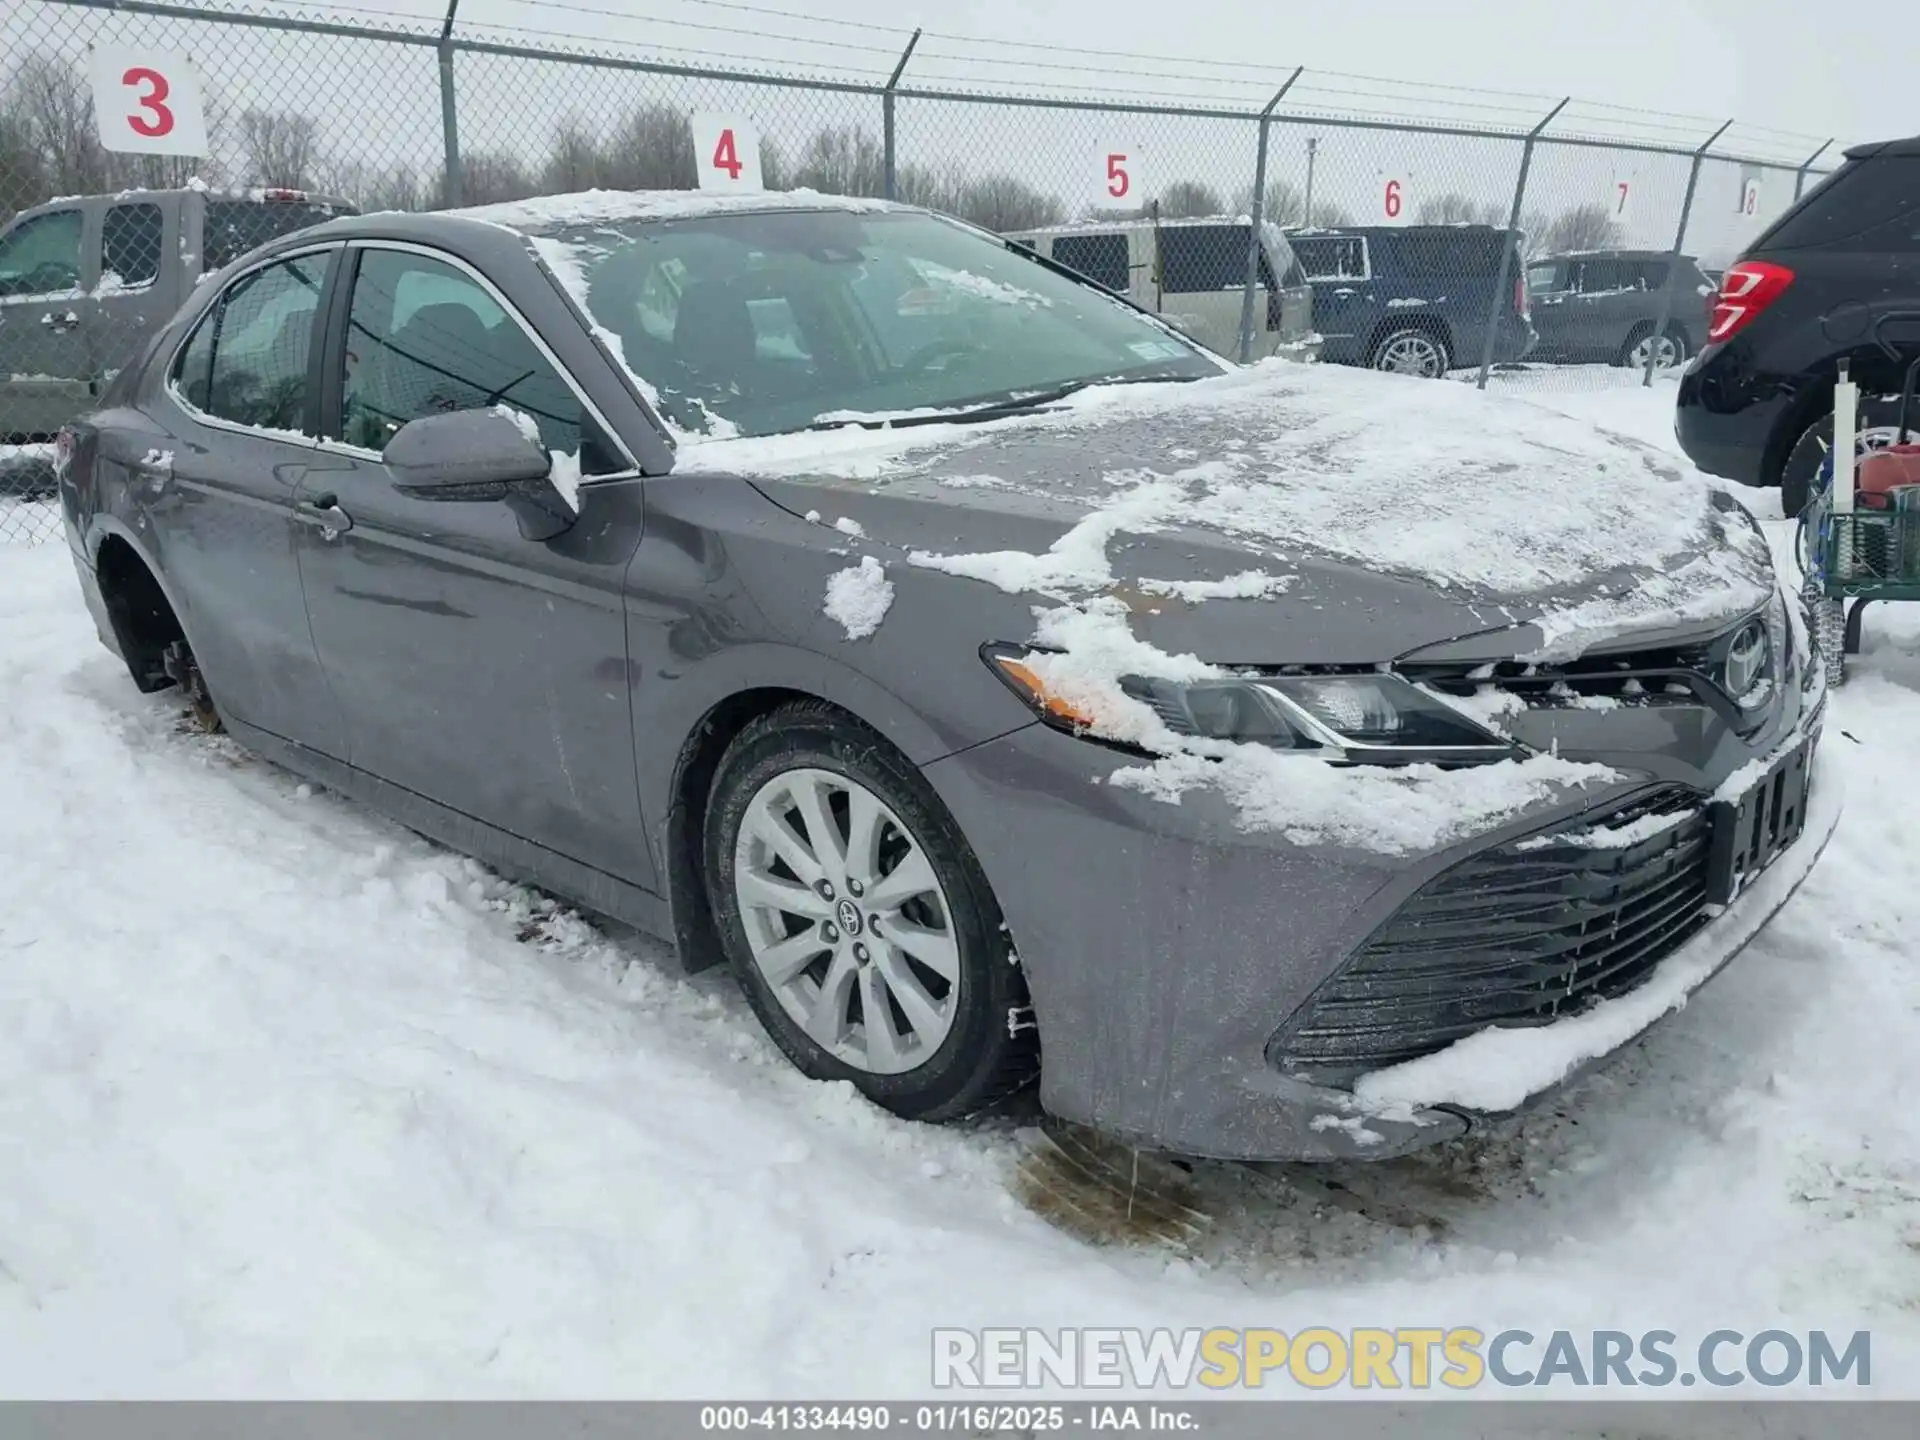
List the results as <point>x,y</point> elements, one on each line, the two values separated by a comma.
<point>848,914</point>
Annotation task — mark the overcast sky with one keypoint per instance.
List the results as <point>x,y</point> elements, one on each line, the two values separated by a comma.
<point>1785,64</point>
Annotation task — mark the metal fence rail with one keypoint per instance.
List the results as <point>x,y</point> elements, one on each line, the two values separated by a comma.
<point>428,114</point>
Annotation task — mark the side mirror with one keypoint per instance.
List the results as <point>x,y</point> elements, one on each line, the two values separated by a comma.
<point>479,455</point>
<point>463,455</point>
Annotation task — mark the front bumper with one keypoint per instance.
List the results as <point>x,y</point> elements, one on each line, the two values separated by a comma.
<point>1165,945</point>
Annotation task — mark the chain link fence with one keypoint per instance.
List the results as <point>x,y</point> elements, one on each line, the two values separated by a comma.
<point>1561,247</point>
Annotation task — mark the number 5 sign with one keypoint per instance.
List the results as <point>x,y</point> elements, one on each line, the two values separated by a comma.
<point>147,102</point>
<point>1117,176</point>
<point>726,152</point>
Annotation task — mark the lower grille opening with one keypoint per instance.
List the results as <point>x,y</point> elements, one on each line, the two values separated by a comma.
<point>1523,934</point>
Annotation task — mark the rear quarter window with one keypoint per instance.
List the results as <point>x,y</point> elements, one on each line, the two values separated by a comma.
<point>1870,204</point>
<point>1426,254</point>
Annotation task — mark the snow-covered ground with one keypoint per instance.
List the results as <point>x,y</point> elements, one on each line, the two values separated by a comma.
<point>295,1103</point>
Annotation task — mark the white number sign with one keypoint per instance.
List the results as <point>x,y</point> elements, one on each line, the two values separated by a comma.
<point>1393,201</point>
<point>1621,197</point>
<point>147,102</point>
<point>726,151</point>
<point>1118,177</point>
<point>1750,197</point>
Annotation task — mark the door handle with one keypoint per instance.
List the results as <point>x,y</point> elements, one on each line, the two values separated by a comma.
<point>1344,294</point>
<point>323,512</point>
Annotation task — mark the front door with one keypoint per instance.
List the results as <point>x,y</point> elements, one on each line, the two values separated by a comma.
<point>480,669</point>
<point>43,345</point>
<point>1338,269</point>
<point>218,499</point>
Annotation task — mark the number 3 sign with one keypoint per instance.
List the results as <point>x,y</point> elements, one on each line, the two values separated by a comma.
<point>147,102</point>
<point>726,151</point>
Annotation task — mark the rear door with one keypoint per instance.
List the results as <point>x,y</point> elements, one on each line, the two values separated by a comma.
<point>482,670</point>
<point>1609,300</point>
<point>218,499</point>
<point>139,283</point>
<point>1338,267</point>
<point>44,366</point>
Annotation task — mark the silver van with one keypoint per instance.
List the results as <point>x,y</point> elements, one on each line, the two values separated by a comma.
<point>1193,275</point>
<point>84,280</point>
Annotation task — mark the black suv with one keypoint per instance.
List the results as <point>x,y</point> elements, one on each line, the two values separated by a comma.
<point>1756,405</point>
<point>1415,298</point>
<point>1604,305</point>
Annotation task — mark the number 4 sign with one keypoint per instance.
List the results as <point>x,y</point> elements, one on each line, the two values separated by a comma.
<point>726,151</point>
<point>147,102</point>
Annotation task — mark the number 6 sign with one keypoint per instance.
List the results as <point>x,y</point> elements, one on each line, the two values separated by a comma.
<point>726,152</point>
<point>147,102</point>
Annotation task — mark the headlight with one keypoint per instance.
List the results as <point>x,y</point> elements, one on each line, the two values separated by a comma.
<point>1369,716</point>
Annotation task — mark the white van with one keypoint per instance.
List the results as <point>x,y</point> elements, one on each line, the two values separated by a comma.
<point>1193,274</point>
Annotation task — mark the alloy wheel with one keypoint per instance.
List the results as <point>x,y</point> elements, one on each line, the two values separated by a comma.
<point>846,920</point>
<point>1410,355</point>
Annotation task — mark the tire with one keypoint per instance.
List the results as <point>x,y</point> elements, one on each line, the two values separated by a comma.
<point>957,1034</point>
<point>178,662</point>
<point>1412,351</point>
<point>1672,344</point>
<point>1802,466</point>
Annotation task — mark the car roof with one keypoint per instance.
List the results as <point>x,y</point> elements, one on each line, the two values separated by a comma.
<point>1908,146</point>
<point>1614,255</point>
<point>255,195</point>
<point>546,214</point>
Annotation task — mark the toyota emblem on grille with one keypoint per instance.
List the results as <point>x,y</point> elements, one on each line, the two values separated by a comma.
<point>1746,659</point>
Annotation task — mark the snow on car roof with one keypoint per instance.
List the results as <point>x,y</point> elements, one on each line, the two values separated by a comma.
<point>554,212</point>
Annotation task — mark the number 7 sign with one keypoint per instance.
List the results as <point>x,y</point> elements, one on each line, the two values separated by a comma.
<point>726,153</point>
<point>147,102</point>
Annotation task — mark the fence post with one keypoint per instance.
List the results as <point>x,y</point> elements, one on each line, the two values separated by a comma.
<point>1800,175</point>
<point>886,112</point>
<point>449,120</point>
<point>1256,211</point>
<point>1673,258</point>
<point>1506,251</point>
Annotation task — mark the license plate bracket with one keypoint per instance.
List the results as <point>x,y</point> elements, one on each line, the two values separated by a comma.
<point>1749,833</point>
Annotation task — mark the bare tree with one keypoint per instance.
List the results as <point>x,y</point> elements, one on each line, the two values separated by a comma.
<point>280,147</point>
<point>1286,207</point>
<point>1001,203</point>
<point>488,177</point>
<point>1584,227</point>
<point>52,109</point>
<point>1190,199</point>
<point>843,160</point>
<point>1454,208</point>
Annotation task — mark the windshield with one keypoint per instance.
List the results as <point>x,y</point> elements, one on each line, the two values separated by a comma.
<point>768,322</point>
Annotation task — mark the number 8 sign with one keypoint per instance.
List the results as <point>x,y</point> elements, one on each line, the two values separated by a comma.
<point>147,102</point>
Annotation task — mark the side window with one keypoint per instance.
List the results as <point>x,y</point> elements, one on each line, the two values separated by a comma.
<point>1195,258</point>
<point>1603,277</point>
<point>1544,279</point>
<point>258,338</point>
<point>1331,257</point>
<point>1651,275</point>
<point>1101,258</point>
<point>130,247</point>
<point>425,338</point>
<point>193,369</point>
<point>41,256</point>
<point>1446,254</point>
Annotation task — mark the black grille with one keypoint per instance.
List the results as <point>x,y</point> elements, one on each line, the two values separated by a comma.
<point>1519,935</point>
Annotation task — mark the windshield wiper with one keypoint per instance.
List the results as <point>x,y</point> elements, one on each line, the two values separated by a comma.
<point>1014,403</point>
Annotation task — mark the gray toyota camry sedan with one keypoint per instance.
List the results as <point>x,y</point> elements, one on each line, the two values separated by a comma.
<point>1278,762</point>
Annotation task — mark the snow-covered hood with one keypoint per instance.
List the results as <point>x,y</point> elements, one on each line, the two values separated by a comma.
<point>1306,510</point>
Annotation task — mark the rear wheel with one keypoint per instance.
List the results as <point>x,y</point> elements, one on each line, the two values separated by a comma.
<point>1667,351</point>
<point>1412,352</point>
<point>858,921</point>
